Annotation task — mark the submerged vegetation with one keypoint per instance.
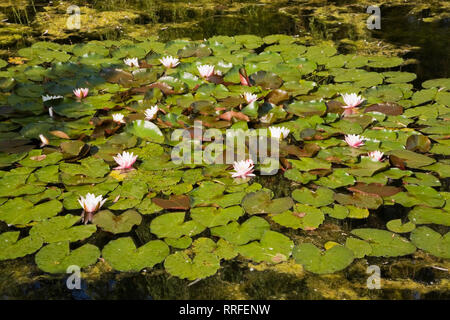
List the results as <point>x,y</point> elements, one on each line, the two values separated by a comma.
<point>87,177</point>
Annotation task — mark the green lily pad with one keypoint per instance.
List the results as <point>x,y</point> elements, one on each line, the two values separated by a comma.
<point>385,243</point>
<point>60,229</point>
<point>251,229</point>
<point>122,223</point>
<point>314,260</point>
<point>318,198</point>
<point>180,243</point>
<point>399,227</point>
<point>57,257</point>
<point>123,255</point>
<point>262,202</point>
<point>11,247</point>
<point>410,159</point>
<point>359,247</point>
<point>213,217</point>
<point>425,215</point>
<point>18,211</point>
<point>203,265</point>
<point>273,247</point>
<point>266,80</point>
<point>172,225</point>
<point>304,217</point>
<point>429,240</point>
<point>146,130</point>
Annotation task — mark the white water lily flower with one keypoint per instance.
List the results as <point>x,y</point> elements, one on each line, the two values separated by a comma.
<point>151,113</point>
<point>44,140</point>
<point>206,70</point>
<point>352,100</point>
<point>354,140</point>
<point>133,62</point>
<point>48,97</point>
<point>243,169</point>
<point>169,61</point>
<point>250,97</point>
<point>118,118</point>
<point>90,204</point>
<point>81,93</point>
<point>266,118</point>
<point>279,132</point>
<point>125,160</point>
<point>376,155</point>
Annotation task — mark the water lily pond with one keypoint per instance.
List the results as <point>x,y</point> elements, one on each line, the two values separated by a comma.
<point>88,177</point>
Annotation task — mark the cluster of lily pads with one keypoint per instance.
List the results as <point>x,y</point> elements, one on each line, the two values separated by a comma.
<point>355,136</point>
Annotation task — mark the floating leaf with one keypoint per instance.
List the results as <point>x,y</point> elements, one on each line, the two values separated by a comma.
<point>262,202</point>
<point>318,198</point>
<point>425,215</point>
<point>172,225</point>
<point>146,130</point>
<point>399,227</point>
<point>429,240</point>
<point>59,229</point>
<point>251,229</point>
<point>19,211</point>
<point>314,260</point>
<point>213,217</point>
<point>122,223</point>
<point>385,243</point>
<point>123,255</point>
<point>57,257</point>
<point>273,247</point>
<point>11,247</point>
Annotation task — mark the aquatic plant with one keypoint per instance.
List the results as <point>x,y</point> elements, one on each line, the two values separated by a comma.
<point>243,169</point>
<point>118,118</point>
<point>90,204</point>
<point>279,132</point>
<point>170,62</point>
<point>81,93</point>
<point>185,215</point>
<point>206,71</point>
<point>125,160</point>
<point>151,112</point>
<point>132,62</point>
<point>354,140</point>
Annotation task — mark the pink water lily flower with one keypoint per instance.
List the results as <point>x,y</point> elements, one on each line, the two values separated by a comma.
<point>125,160</point>
<point>90,205</point>
<point>351,102</point>
<point>81,93</point>
<point>206,71</point>
<point>243,169</point>
<point>169,62</point>
<point>250,97</point>
<point>376,155</point>
<point>354,140</point>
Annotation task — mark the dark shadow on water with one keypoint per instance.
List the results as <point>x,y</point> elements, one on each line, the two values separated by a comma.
<point>398,27</point>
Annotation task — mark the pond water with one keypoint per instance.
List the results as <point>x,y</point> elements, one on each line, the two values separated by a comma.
<point>416,31</point>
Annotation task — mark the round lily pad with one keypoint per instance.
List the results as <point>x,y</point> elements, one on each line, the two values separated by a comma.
<point>122,223</point>
<point>323,262</point>
<point>57,257</point>
<point>123,255</point>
